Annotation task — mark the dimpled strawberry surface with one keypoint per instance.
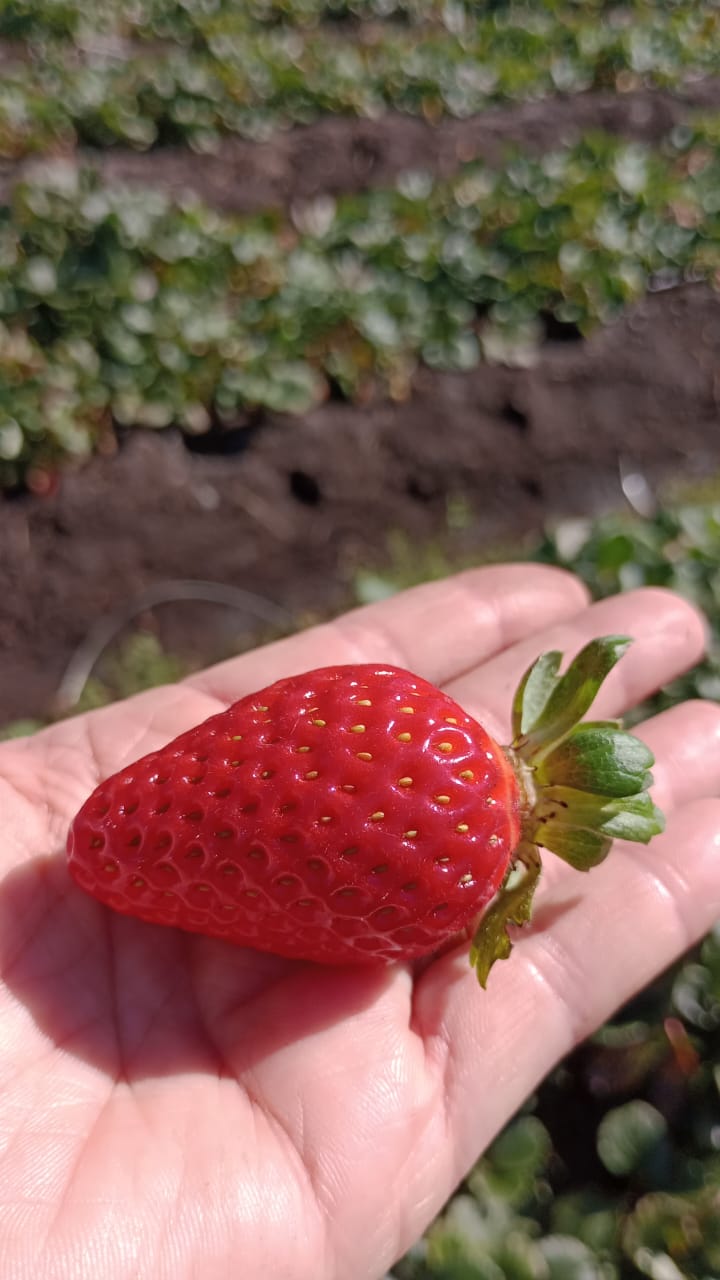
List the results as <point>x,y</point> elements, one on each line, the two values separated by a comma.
<point>347,814</point>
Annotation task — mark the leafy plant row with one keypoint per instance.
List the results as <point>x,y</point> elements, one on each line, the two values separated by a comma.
<point>248,81</point>
<point>194,19</point>
<point>119,306</point>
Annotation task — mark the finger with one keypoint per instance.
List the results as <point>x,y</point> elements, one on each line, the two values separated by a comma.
<point>686,744</point>
<point>670,638</point>
<point>438,630</point>
<point>587,953</point>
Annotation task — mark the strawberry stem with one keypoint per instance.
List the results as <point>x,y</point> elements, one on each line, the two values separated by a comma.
<point>582,785</point>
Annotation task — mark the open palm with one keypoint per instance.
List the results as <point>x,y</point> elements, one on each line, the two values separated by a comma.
<point>175,1107</point>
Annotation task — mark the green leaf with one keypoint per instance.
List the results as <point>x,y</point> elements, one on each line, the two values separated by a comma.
<point>622,817</point>
<point>515,1163</point>
<point>628,1135</point>
<point>19,728</point>
<point>512,905</point>
<point>586,784</point>
<point>580,848</point>
<point>463,1242</point>
<point>601,759</point>
<point>533,692</point>
<point>570,1259</point>
<point>665,1229</point>
<point>525,1144</point>
<point>588,1215</point>
<point>574,693</point>
<point>696,996</point>
<point>640,820</point>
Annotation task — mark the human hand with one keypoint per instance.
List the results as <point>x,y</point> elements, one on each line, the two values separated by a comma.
<point>172,1106</point>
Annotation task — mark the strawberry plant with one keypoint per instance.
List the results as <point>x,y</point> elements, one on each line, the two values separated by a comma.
<point>119,306</point>
<point>192,19</point>
<point>226,75</point>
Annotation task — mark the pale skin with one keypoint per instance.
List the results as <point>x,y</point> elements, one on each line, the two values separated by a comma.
<point>176,1108</point>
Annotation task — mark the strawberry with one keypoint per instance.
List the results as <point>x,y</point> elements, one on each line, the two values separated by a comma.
<point>356,813</point>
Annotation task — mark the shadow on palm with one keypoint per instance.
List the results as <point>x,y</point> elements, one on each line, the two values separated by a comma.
<point>138,1000</point>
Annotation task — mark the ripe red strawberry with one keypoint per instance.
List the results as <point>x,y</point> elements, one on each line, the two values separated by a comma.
<point>357,813</point>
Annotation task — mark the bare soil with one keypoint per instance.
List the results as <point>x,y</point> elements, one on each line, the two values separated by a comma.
<point>342,154</point>
<point>289,508</point>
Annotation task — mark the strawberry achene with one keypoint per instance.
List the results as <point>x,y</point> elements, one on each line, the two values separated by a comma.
<point>348,814</point>
<point>357,813</point>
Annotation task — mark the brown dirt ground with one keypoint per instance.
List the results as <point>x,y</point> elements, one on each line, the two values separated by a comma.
<point>290,507</point>
<point>300,503</point>
<point>341,154</point>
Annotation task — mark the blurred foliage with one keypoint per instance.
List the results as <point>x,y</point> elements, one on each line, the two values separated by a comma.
<point>155,73</point>
<point>136,663</point>
<point>118,306</point>
<point>678,548</point>
<point>192,19</point>
<point>139,662</point>
<point>612,1171</point>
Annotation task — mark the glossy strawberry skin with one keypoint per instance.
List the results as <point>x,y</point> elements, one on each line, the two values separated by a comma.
<point>348,814</point>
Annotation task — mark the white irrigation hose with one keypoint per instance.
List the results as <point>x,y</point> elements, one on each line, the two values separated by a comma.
<point>637,492</point>
<point>90,650</point>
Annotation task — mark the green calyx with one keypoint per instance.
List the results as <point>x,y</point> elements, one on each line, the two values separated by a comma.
<point>583,783</point>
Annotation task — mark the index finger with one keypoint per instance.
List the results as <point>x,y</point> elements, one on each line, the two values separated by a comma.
<point>437,630</point>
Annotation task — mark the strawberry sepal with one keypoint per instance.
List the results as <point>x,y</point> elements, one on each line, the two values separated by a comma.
<point>511,906</point>
<point>548,706</point>
<point>582,784</point>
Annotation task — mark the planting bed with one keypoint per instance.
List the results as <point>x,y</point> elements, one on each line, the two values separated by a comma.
<point>337,304</point>
<point>289,507</point>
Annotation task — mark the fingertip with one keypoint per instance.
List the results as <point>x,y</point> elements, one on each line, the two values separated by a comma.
<point>543,578</point>
<point>675,615</point>
<point>572,585</point>
<point>705,718</point>
<point>682,865</point>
